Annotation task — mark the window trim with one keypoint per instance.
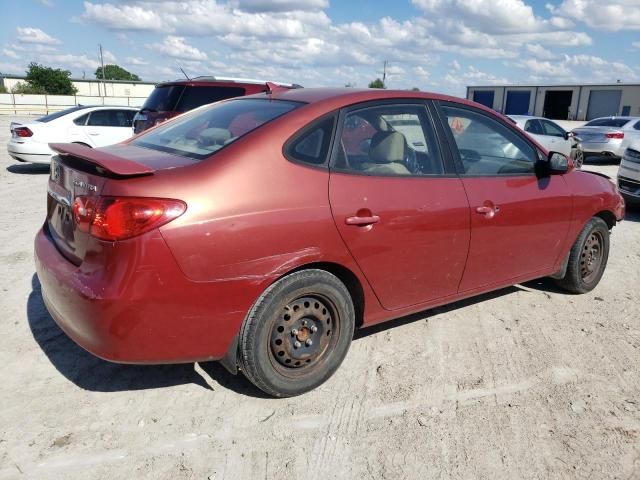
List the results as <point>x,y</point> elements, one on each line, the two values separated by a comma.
<point>394,102</point>
<point>306,129</point>
<point>454,146</point>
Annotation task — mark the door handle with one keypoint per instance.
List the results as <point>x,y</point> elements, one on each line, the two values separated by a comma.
<point>362,221</point>
<point>488,212</point>
<point>94,134</point>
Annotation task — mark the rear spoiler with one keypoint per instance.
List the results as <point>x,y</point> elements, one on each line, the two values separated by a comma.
<point>108,161</point>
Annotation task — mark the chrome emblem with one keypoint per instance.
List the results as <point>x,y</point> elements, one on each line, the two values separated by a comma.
<point>55,171</point>
<point>84,185</point>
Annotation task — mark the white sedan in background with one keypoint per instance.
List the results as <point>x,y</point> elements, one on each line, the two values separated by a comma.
<point>90,126</point>
<point>547,133</point>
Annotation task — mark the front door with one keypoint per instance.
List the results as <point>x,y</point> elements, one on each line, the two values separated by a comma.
<point>519,221</point>
<point>403,216</point>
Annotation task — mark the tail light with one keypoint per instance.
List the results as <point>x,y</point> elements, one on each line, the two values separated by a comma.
<point>617,135</point>
<point>119,218</point>
<point>23,132</point>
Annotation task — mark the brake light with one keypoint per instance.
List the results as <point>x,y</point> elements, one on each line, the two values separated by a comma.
<point>119,218</point>
<point>615,135</point>
<point>23,132</point>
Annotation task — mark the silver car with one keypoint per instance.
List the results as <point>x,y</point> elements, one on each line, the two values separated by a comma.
<point>608,136</point>
<point>629,173</point>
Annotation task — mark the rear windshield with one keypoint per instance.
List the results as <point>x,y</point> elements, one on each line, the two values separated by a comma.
<point>608,122</point>
<point>181,98</point>
<point>62,113</point>
<point>200,134</point>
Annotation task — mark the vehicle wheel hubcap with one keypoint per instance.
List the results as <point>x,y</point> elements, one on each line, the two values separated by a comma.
<point>302,332</point>
<point>591,258</point>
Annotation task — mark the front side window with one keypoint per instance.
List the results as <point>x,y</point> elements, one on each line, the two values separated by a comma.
<point>552,129</point>
<point>389,140</point>
<point>486,147</point>
<point>202,132</point>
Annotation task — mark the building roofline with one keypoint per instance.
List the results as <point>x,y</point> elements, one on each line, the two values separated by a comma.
<point>566,85</point>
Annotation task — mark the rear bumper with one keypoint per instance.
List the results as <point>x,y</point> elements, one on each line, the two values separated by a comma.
<point>29,152</point>
<point>629,187</point>
<point>139,308</point>
<point>613,148</point>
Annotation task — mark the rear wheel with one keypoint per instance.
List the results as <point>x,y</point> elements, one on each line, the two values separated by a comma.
<point>578,157</point>
<point>587,258</point>
<point>297,333</point>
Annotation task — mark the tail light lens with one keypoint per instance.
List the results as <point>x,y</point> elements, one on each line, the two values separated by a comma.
<point>23,132</point>
<point>119,218</point>
<point>617,135</point>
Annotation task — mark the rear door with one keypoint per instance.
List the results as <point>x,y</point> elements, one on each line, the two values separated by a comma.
<point>397,203</point>
<point>106,127</point>
<point>519,221</point>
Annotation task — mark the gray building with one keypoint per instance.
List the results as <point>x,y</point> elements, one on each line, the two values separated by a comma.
<point>562,102</point>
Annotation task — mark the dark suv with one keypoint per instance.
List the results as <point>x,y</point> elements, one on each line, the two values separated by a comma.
<point>169,99</point>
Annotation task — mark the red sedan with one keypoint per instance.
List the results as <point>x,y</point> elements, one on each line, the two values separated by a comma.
<point>261,231</point>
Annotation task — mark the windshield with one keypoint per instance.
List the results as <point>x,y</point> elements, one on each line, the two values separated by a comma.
<point>201,133</point>
<point>62,113</point>
<point>608,122</point>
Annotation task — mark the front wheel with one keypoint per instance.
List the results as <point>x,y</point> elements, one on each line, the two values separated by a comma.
<point>297,333</point>
<point>587,258</point>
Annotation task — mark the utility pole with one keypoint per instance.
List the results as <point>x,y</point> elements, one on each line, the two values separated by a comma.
<point>104,87</point>
<point>384,73</point>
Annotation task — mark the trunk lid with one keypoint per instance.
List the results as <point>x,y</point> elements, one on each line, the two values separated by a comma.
<point>82,171</point>
<point>594,134</point>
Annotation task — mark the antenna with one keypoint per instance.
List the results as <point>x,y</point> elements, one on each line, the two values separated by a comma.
<point>187,76</point>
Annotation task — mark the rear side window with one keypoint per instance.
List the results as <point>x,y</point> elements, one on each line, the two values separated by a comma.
<point>312,145</point>
<point>607,122</point>
<point>533,126</point>
<point>194,97</point>
<point>111,118</point>
<point>200,134</point>
<point>82,119</point>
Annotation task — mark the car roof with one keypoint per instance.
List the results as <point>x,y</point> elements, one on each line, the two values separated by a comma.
<point>340,97</point>
<point>615,117</point>
<point>204,81</point>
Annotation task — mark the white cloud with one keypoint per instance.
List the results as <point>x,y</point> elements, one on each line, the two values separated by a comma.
<point>135,61</point>
<point>539,51</point>
<point>177,47</point>
<point>635,44</point>
<point>35,35</point>
<point>571,68</point>
<point>279,5</point>
<point>601,15</point>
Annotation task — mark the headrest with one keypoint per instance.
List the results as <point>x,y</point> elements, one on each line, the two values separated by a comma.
<point>214,136</point>
<point>387,147</point>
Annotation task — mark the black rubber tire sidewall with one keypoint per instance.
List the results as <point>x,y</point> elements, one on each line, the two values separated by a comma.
<point>573,281</point>
<point>256,330</point>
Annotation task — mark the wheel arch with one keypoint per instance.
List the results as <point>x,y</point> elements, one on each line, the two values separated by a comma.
<point>83,143</point>
<point>608,217</point>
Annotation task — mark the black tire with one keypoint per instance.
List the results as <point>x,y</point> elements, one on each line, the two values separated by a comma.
<point>274,349</point>
<point>587,258</point>
<point>578,157</point>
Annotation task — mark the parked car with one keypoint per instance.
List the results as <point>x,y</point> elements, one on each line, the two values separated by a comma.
<point>629,174</point>
<point>85,125</point>
<point>246,232</point>
<point>173,98</point>
<point>608,136</point>
<point>551,136</point>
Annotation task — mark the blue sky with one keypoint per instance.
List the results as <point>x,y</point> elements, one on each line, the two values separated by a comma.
<point>438,45</point>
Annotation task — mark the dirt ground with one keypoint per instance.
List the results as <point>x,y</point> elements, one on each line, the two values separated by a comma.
<point>524,383</point>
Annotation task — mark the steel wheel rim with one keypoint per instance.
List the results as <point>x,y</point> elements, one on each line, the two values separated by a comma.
<point>578,158</point>
<point>591,257</point>
<point>303,335</point>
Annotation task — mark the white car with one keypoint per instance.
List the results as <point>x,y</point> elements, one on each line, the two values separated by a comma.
<point>90,126</point>
<point>547,133</point>
<point>629,174</point>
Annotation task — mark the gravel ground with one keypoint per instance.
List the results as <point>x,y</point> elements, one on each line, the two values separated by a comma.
<point>523,383</point>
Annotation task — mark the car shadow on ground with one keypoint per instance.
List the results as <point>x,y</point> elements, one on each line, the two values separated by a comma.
<point>91,373</point>
<point>28,168</point>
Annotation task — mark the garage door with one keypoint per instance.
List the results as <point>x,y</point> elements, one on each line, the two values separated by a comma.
<point>517,103</point>
<point>484,97</point>
<point>603,103</point>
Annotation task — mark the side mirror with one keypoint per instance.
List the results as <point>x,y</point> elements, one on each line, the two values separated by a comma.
<point>567,135</point>
<point>558,163</point>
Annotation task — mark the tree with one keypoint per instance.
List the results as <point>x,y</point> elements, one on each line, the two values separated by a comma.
<point>54,81</point>
<point>415,89</point>
<point>377,83</point>
<point>3,89</point>
<point>25,88</point>
<point>116,72</point>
